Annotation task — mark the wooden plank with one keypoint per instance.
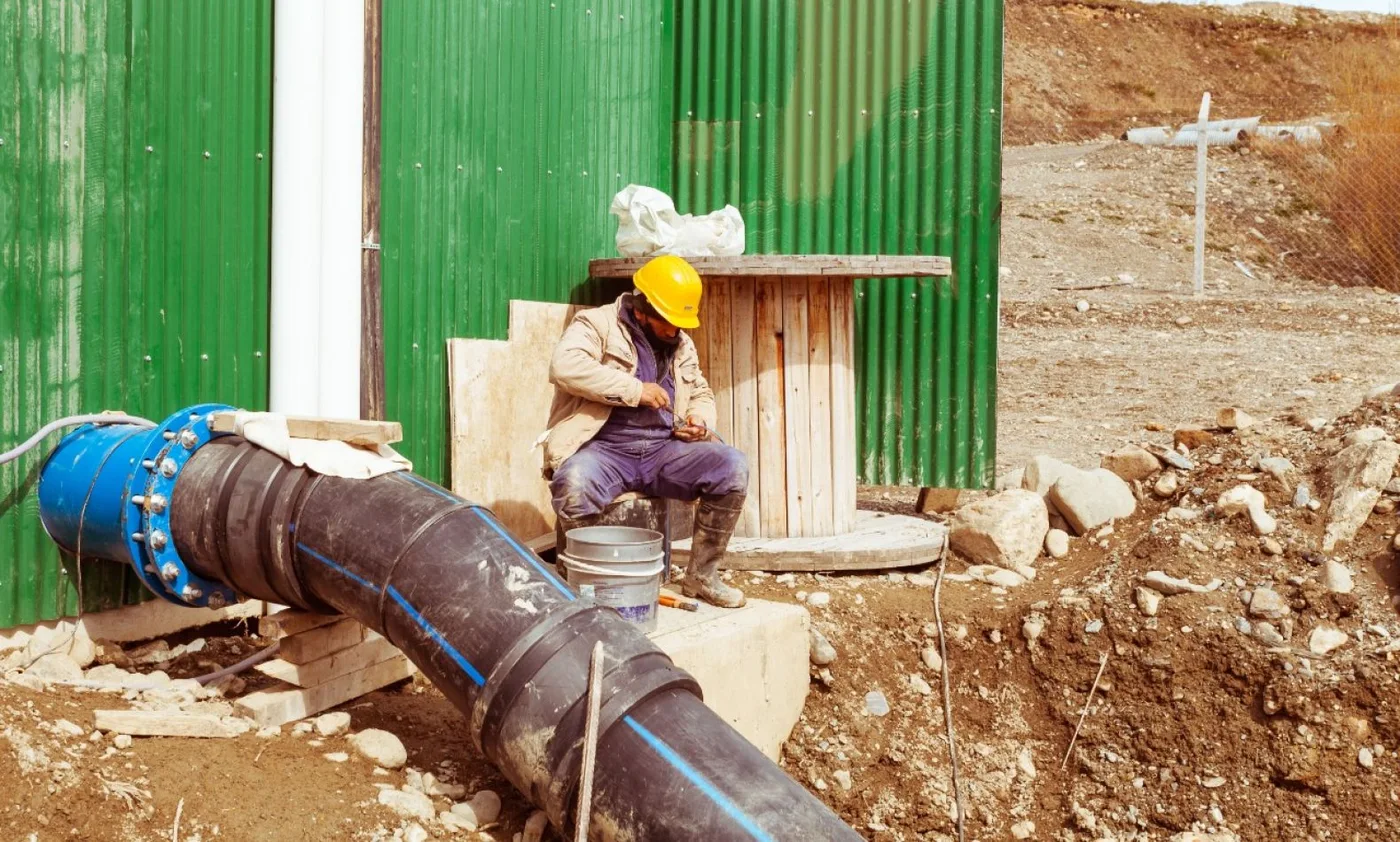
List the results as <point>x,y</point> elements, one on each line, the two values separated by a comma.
<point>701,335</point>
<point>843,408</point>
<point>372,382</point>
<point>309,674</point>
<point>307,646</point>
<point>744,389</point>
<point>797,409</point>
<point>499,399</point>
<point>349,430</point>
<point>878,542</point>
<point>287,623</point>
<point>280,706</point>
<point>793,265</point>
<point>823,520</point>
<point>169,723</point>
<point>719,369</point>
<point>772,451</point>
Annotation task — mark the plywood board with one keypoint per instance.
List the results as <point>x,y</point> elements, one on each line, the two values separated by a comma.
<point>772,450</point>
<point>744,392</point>
<point>499,400</point>
<point>797,409</point>
<point>823,520</point>
<point>719,364</point>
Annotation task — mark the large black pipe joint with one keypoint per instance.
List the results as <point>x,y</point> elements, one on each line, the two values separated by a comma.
<point>538,681</point>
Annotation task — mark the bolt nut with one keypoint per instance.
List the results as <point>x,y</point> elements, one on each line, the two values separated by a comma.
<point>158,540</point>
<point>189,440</point>
<point>168,468</point>
<point>217,601</point>
<point>156,504</point>
<point>169,571</point>
<point>191,593</point>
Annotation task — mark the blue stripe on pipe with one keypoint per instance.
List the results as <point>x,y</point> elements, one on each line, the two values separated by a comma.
<point>669,755</point>
<point>365,582</point>
<point>437,637</point>
<point>524,552</point>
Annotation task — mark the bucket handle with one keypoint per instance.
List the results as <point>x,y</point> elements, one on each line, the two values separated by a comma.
<point>613,573</point>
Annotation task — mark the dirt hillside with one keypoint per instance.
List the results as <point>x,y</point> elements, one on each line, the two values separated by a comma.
<point>1087,70</point>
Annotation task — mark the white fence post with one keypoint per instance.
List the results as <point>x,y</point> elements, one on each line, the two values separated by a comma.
<point>1200,284</point>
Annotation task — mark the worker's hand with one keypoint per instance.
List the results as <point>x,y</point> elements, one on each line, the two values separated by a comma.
<point>693,430</point>
<point>654,397</point>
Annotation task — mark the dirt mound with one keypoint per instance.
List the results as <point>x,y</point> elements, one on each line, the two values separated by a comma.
<point>1081,71</point>
<point>1206,719</point>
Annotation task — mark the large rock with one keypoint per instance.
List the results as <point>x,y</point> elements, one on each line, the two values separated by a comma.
<point>410,804</point>
<point>381,747</point>
<point>55,668</point>
<point>1131,463</point>
<point>1359,475</point>
<point>63,639</point>
<point>1043,472</point>
<point>1007,530</point>
<point>1089,499</point>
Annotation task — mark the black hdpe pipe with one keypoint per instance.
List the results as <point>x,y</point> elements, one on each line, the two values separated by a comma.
<point>483,618</point>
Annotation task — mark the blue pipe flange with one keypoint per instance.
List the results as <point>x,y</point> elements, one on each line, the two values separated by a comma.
<point>146,518</point>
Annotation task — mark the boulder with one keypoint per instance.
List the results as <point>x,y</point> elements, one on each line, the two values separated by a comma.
<point>55,668</point>
<point>1007,530</point>
<point>1090,499</point>
<point>1336,577</point>
<point>1233,419</point>
<point>1042,472</point>
<point>1325,639</point>
<point>63,639</point>
<point>1245,499</point>
<point>1166,486</point>
<point>1131,463</point>
<point>381,748</point>
<point>819,650</point>
<point>1359,474</point>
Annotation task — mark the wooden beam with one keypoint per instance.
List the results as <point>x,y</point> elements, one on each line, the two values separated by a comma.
<point>307,646</point>
<point>772,450</point>
<point>287,623</point>
<point>797,408</point>
<point>168,723</point>
<point>372,390</point>
<point>348,430</point>
<point>829,266</point>
<point>744,390</point>
<point>843,408</point>
<point>279,706</point>
<point>819,408</point>
<point>334,665</point>
<point>719,369</point>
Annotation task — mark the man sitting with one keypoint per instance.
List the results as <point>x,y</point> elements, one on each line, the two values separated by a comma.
<point>633,412</point>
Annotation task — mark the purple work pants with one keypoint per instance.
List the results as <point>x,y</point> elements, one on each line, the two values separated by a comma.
<point>601,470</point>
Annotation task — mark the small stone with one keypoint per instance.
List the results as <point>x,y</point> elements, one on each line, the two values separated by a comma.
<point>1171,458</point>
<point>1302,497</point>
<point>1171,585</point>
<point>1243,626</point>
<point>998,576</point>
<point>122,741</point>
<point>535,826</point>
<point>336,756</point>
<point>1267,603</point>
<point>415,833</point>
<point>1247,499</point>
<point>1082,306</point>
<point>302,729</point>
<point>483,809</point>
<point>1314,505</point>
<point>69,728</point>
<point>876,704</point>
<point>1233,419</point>
<point>433,786</point>
<point>1359,474</point>
<point>1325,639</point>
<point>1271,546</point>
<point>1166,486</point>
<point>1192,437</point>
<point>820,599</point>
<point>1384,506</point>
<point>1005,530</point>
<point>1183,321</point>
<point>843,779</point>
<point>1032,628</point>
<point>1266,634</point>
<point>381,748</point>
<point>1365,758</point>
<point>1057,543</point>
<point>454,823</point>
<point>1336,577</point>
<point>1131,463</point>
<point>786,579</point>
<point>919,685</point>
<point>1023,830</point>
<point>820,651</point>
<point>55,669</point>
<point>1182,513</point>
<point>1090,499</point>
<point>1025,764</point>
<point>269,732</point>
<point>1277,467</point>
<point>332,724</point>
<point>1148,601</point>
<point>919,580</point>
<point>411,804</point>
<point>931,658</point>
<point>1365,435</point>
<point>1093,627</point>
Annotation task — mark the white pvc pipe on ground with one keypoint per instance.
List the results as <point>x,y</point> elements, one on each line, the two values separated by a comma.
<point>317,95</point>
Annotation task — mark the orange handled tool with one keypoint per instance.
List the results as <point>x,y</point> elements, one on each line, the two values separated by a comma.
<point>676,602</point>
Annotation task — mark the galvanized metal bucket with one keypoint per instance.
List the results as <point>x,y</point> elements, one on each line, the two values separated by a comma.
<point>617,566</point>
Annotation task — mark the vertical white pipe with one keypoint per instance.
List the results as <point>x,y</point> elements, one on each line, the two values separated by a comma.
<point>317,161</point>
<point>1201,177</point>
<point>342,183</point>
<point>297,68</point>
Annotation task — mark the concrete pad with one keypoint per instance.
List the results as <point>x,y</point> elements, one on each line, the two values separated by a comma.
<point>751,662</point>
<point>156,618</point>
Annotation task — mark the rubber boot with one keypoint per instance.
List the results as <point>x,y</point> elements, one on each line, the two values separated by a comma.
<point>715,519</point>
<point>561,532</point>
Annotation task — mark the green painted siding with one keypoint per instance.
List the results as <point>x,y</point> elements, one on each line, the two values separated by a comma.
<point>866,126</point>
<point>508,127</point>
<point>134,224</point>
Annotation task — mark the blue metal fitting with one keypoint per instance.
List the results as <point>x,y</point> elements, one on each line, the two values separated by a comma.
<point>106,492</point>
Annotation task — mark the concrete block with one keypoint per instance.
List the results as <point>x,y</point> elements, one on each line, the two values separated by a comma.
<point>751,662</point>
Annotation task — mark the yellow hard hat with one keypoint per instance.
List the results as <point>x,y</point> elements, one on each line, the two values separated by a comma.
<point>673,288</point>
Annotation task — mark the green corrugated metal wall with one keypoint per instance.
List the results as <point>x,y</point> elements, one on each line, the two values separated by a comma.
<point>508,127</point>
<point>866,126</point>
<point>134,208</point>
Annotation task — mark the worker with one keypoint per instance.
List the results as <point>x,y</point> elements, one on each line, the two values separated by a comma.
<point>633,412</point>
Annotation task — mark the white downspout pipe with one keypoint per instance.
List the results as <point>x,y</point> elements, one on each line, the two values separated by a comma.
<point>317,140</point>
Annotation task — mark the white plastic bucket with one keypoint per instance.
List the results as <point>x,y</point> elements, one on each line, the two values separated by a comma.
<point>616,566</point>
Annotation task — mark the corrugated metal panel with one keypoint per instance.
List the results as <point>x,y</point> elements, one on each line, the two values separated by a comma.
<point>508,127</point>
<point>134,208</point>
<point>866,126</point>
